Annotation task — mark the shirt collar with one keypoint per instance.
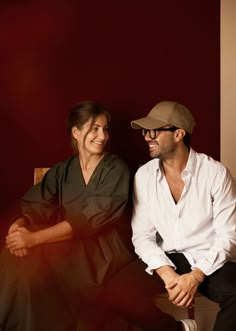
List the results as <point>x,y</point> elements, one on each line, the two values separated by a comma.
<point>158,167</point>
<point>190,166</point>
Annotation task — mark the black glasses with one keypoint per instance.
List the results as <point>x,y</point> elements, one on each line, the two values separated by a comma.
<point>153,132</point>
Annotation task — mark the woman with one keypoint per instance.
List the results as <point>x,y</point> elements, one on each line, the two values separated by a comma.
<point>69,252</point>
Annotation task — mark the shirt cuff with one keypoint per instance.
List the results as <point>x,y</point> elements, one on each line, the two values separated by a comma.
<point>159,262</point>
<point>206,267</point>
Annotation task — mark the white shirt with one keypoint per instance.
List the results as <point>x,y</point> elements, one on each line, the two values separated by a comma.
<point>202,225</point>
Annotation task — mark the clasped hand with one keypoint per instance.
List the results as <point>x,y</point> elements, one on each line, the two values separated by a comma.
<point>19,240</point>
<point>182,290</point>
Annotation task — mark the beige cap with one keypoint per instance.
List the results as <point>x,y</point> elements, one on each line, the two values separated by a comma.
<point>166,113</point>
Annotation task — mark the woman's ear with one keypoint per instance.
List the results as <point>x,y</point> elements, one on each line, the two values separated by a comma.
<point>75,132</point>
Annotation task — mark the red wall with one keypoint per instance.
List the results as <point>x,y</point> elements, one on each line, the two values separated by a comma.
<point>126,54</point>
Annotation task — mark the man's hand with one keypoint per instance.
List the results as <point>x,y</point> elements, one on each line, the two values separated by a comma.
<point>182,290</point>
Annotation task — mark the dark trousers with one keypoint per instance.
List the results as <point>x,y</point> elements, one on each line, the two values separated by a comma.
<point>219,287</point>
<point>130,295</point>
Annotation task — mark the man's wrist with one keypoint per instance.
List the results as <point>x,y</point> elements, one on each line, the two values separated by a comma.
<point>194,278</point>
<point>198,275</point>
<point>166,273</point>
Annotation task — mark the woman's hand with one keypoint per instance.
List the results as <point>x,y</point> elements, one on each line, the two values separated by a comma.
<point>16,225</point>
<point>20,222</point>
<point>20,239</point>
<point>19,252</point>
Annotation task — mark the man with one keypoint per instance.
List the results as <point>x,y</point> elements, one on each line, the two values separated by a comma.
<point>184,219</point>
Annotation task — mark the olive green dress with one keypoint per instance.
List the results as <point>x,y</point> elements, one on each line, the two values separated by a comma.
<point>48,289</point>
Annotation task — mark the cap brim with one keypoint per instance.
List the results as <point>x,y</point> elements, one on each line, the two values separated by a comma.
<point>147,123</point>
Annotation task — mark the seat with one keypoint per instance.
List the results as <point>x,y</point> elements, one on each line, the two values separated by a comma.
<point>39,173</point>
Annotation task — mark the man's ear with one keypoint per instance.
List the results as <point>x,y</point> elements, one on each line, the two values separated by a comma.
<point>179,134</point>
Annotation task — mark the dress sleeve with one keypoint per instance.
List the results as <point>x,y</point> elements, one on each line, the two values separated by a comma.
<point>104,204</point>
<point>41,201</point>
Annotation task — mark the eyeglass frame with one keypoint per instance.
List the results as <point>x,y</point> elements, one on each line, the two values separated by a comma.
<point>150,131</point>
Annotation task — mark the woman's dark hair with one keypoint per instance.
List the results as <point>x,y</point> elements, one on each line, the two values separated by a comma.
<point>83,112</point>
